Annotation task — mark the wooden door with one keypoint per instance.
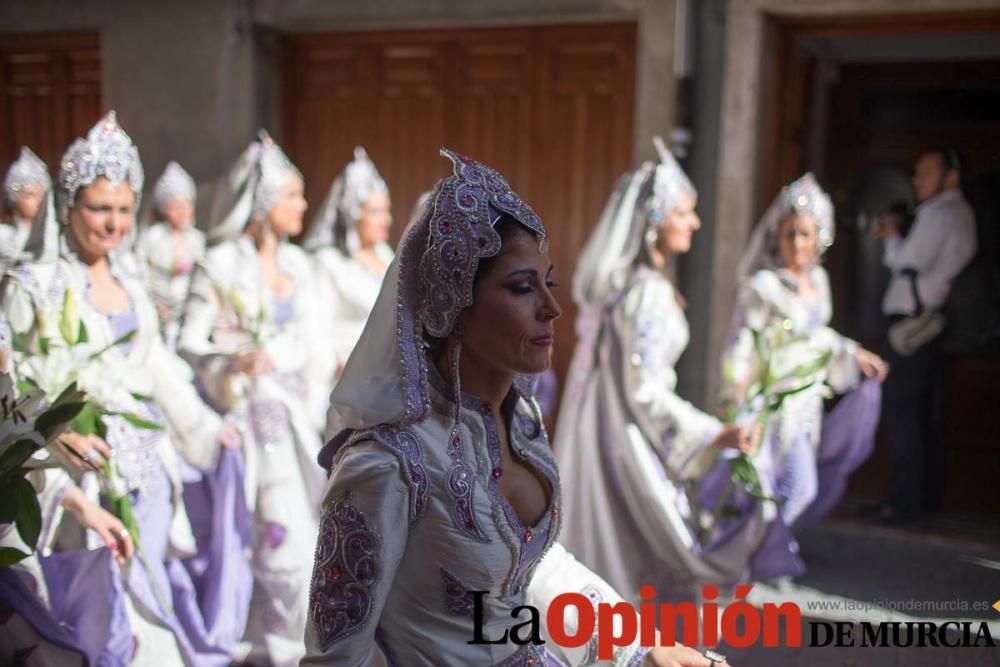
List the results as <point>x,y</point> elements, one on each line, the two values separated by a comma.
<point>50,93</point>
<point>549,107</point>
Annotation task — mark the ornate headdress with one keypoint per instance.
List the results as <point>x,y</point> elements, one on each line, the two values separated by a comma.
<point>106,151</point>
<point>27,170</point>
<point>670,185</point>
<point>428,284</point>
<point>173,184</point>
<point>252,188</point>
<point>641,202</point>
<point>803,195</point>
<point>335,223</point>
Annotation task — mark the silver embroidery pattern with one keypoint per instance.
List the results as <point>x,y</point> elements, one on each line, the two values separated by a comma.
<point>461,486</point>
<point>345,573</point>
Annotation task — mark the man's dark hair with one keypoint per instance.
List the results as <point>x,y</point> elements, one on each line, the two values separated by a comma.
<point>951,158</point>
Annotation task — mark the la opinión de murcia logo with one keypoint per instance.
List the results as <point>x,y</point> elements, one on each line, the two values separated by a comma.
<point>738,625</point>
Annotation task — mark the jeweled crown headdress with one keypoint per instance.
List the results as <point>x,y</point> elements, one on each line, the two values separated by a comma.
<point>275,170</point>
<point>670,184</point>
<point>335,222</point>
<point>27,170</point>
<point>174,184</point>
<point>107,151</point>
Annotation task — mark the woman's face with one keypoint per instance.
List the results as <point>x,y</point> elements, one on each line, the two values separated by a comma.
<point>680,225</point>
<point>27,201</point>
<point>509,328</point>
<point>797,241</point>
<point>286,214</point>
<point>178,213</point>
<point>101,217</point>
<point>376,218</point>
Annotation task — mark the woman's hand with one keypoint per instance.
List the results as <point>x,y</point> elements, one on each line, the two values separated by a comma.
<point>253,364</point>
<point>229,437</point>
<point>733,436</point>
<point>93,516</point>
<point>872,365</point>
<point>680,656</point>
<point>86,453</point>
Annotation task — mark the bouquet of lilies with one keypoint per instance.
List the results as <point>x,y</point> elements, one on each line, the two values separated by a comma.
<point>767,387</point>
<point>65,360</point>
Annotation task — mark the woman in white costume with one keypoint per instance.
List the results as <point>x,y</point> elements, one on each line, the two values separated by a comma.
<point>627,444</point>
<point>784,296</point>
<point>149,614</point>
<point>348,239</point>
<point>248,326</point>
<point>24,187</point>
<point>170,247</point>
<point>441,477</point>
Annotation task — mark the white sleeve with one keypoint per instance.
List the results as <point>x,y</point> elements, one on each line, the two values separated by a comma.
<point>194,342</point>
<point>684,431</point>
<point>559,572</point>
<point>367,503</point>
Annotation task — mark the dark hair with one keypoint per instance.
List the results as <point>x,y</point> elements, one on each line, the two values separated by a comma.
<point>506,227</point>
<point>951,158</point>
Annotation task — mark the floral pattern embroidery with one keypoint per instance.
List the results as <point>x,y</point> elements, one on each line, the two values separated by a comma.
<point>345,572</point>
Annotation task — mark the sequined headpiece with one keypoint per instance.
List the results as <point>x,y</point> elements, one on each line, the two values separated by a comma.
<point>174,184</point>
<point>334,224</point>
<point>804,195</point>
<point>466,207</point>
<point>107,151</point>
<point>275,170</point>
<point>670,185</point>
<point>27,170</point>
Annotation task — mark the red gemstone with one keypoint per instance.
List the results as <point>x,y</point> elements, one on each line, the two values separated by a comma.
<point>455,440</point>
<point>527,536</point>
<point>484,408</point>
<point>416,477</point>
<point>497,473</point>
<point>337,574</point>
<point>555,511</point>
<point>531,659</point>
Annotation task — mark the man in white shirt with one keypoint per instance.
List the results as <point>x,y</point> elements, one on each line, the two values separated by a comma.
<point>941,242</point>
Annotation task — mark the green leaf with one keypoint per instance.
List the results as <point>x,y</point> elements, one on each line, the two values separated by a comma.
<point>811,368</point>
<point>138,421</point>
<point>10,555</point>
<point>141,397</point>
<point>66,393</point>
<point>29,514</point>
<point>730,512</point>
<point>88,421</point>
<point>121,341</point>
<point>43,345</point>
<point>17,454</point>
<point>58,418</point>
<point>8,501</point>
<point>20,343</point>
<point>26,385</point>
<point>84,335</point>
